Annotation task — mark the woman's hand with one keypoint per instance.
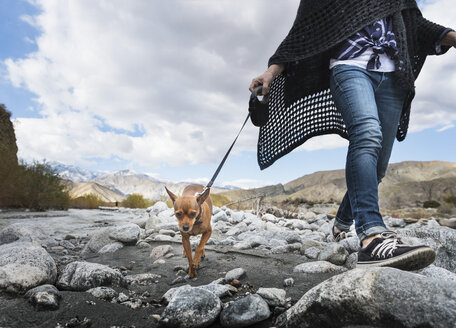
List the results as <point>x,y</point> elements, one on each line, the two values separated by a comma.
<point>449,39</point>
<point>266,78</point>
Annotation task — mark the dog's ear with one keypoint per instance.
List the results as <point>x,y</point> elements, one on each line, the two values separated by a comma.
<point>171,195</point>
<point>202,197</point>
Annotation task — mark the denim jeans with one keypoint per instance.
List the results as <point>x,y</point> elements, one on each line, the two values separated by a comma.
<point>370,104</point>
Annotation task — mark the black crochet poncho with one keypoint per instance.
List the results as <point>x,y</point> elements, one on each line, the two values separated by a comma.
<point>300,102</point>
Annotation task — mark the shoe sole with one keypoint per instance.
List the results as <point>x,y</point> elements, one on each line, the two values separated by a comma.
<point>411,261</point>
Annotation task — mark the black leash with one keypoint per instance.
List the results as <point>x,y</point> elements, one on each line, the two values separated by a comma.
<point>256,109</point>
<point>226,156</point>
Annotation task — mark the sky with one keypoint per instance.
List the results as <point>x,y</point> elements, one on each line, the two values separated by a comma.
<point>161,87</point>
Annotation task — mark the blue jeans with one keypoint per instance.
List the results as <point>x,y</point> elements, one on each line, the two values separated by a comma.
<point>371,106</point>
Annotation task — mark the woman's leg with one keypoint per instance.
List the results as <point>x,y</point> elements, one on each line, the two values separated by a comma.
<point>353,91</point>
<point>389,100</point>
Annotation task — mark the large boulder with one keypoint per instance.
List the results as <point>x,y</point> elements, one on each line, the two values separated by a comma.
<point>441,239</point>
<point>383,297</point>
<point>82,276</point>
<point>24,265</point>
<point>245,312</point>
<point>26,232</point>
<point>125,234</point>
<point>191,307</point>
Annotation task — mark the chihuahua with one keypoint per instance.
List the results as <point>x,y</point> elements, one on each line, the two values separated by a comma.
<point>193,211</point>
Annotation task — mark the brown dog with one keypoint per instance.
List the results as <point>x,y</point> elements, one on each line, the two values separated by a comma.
<point>193,211</point>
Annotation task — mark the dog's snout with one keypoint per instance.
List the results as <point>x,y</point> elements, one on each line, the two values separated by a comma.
<point>186,227</point>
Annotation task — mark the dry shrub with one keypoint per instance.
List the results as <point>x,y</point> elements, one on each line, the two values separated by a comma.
<point>90,201</point>
<point>135,201</point>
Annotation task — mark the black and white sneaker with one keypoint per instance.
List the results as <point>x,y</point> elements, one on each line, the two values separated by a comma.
<point>388,250</point>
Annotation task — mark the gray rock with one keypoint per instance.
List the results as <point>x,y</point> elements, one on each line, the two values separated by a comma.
<point>111,248</point>
<point>242,245</point>
<point>255,241</point>
<point>143,279</point>
<point>237,229</point>
<point>318,267</point>
<point>98,240</point>
<point>26,232</point>
<point>67,244</point>
<point>160,251</point>
<point>288,282</point>
<point>271,227</point>
<point>127,233</point>
<point>219,290</point>
<point>24,265</point>
<point>312,252</point>
<point>143,244</point>
<point>140,221</point>
<point>438,273</point>
<point>82,276</point>
<point>163,238</point>
<point>351,244</point>
<point>236,217</point>
<point>169,295</point>
<point>171,233</point>
<point>237,274</point>
<point>122,298</point>
<point>220,216</point>
<point>194,307</point>
<point>168,226</point>
<point>277,242</point>
<point>269,218</point>
<point>104,293</point>
<point>228,241</point>
<point>392,222</point>
<point>334,253</point>
<point>351,261</point>
<point>245,312</point>
<point>45,297</point>
<point>280,249</point>
<point>441,239</point>
<point>157,208</point>
<point>325,228</point>
<point>373,297</point>
<point>273,296</point>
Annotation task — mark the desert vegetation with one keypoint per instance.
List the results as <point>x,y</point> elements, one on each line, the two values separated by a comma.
<point>34,186</point>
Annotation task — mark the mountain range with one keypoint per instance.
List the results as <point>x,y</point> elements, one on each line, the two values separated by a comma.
<point>406,184</point>
<point>115,186</point>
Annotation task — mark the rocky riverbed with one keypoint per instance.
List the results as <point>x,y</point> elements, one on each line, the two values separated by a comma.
<point>124,268</point>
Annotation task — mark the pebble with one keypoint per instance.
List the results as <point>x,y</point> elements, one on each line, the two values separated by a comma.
<point>288,282</point>
<point>237,274</point>
<point>160,251</point>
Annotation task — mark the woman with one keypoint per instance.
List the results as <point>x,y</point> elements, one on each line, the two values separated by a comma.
<point>349,67</point>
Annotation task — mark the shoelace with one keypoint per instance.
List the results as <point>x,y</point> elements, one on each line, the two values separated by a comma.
<point>390,243</point>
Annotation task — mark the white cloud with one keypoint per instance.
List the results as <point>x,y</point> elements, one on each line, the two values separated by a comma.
<point>173,77</point>
<point>435,88</point>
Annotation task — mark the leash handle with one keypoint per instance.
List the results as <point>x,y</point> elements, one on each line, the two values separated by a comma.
<point>255,93</point>
<point>226,155</point>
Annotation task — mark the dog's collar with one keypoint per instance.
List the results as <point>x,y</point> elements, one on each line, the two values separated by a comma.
<point>197,220</point>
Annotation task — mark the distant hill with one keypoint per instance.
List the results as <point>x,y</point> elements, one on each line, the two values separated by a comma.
<point>77,189</point>
<point>406,184</point>
<point>74,173</point>
<point>122,183</point>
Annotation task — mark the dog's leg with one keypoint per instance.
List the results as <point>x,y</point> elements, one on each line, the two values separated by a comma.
<point>188,252</point>
<point>199,252</point>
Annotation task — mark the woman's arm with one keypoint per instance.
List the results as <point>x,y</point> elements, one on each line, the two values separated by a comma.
<point>449,39</point>
<point>266,78</point>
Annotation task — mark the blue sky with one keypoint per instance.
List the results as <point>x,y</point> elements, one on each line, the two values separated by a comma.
<point>111,85</point>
